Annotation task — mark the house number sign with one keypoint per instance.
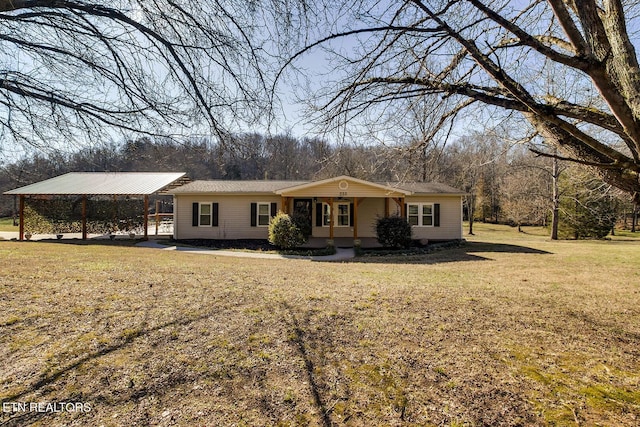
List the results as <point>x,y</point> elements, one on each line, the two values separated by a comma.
<point>343,186</point>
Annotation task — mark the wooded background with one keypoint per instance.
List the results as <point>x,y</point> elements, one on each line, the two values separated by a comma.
<point>504,182</point>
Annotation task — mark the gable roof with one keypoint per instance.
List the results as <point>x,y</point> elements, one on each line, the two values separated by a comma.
<point>340,178</point>
<point>103,183</point>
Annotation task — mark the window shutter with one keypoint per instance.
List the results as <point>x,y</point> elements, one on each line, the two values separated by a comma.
<point>351,216</point>
<point>318,214</point>
<point>274,209</point>
<point>214,214</point>
<point>254,214</point>
<point>406,212</point>
<point>436,214</point>
<point>194,214</point>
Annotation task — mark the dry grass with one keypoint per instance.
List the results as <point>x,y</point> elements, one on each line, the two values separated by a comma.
<point>510,330</point>
<point>6,224</point>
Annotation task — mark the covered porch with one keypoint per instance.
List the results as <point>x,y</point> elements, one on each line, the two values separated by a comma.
<point>343,209</point>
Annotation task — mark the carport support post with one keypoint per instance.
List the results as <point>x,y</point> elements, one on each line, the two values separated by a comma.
<point>157,216</point>
<point>21,236</point>
<point>84,217</point>
<point>146,217</point>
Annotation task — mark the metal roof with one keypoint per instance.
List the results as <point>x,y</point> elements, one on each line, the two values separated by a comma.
<point>103,183</point>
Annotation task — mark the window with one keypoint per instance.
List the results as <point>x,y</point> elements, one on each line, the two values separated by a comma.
<point>343,215</point>
<point>420,214</point>
<point>427,215</point>
<point>205,214</point>
<point>326,214</point>
<point>264,214</point>
<point>412,214</point>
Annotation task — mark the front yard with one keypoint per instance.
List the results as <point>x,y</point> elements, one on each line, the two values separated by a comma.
<point>511,329</point>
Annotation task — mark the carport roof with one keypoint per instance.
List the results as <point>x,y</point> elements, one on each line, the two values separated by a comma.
<point>104,183</point>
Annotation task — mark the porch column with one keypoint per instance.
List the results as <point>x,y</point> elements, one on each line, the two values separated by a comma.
<point>157,216</point>
<point>386,207</point>
<point>284,204</point>
<point>403,213</point>
<point>331,218</point>
<point>355,218</point>
<point>21,214</point>
<point>146,217</point>
<point>84,217</point>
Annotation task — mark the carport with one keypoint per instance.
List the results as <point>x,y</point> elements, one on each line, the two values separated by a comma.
<point>87,184</point>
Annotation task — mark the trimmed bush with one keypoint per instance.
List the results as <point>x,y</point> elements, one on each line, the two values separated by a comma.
<point>284,233</point>
<point>301,220</point>
<point>393,232</point>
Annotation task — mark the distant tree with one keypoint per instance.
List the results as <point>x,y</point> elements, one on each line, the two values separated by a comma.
<point>587,209</point>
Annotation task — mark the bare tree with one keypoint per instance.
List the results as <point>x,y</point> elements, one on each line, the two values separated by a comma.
<point>568,67</point>
<point>81,70</point>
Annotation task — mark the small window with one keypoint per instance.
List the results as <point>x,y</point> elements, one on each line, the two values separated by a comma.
<point>412,214</point>
<point>264,214</point>
<point>427,215</point>
<point>205,214</point>
<point>343,215</point>
<point>326,214</point>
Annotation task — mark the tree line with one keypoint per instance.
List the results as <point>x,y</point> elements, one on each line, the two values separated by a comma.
<point>503,182</point>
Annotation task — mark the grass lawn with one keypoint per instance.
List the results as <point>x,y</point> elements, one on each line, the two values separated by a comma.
<point>6,224</point>
<point>511,329</point>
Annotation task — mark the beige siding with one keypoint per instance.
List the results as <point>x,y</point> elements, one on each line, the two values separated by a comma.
<point>234,217</point>
<point>450,218</point>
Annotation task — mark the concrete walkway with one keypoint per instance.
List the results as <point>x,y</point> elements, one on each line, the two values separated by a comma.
<point>341,254</point>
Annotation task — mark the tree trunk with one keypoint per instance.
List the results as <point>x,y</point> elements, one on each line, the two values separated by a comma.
<point>471,213</point>
<point>556,200</point>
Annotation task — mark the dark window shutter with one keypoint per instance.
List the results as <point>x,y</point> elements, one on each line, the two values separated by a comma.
<point>436,215</point>
<point>351,215</point>
<point>318,214</point>
<point>274,209</point>
<point>406,212</point>
<point>195,214</point>
<point>214,213</point>
<point>254,214</point>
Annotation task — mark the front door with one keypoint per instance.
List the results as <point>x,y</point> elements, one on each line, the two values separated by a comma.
<point>302,214</point>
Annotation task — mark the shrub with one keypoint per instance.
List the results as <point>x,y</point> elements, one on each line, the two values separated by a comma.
<point>284,233</point>
<point>393,232</point>
<point>301,220</point>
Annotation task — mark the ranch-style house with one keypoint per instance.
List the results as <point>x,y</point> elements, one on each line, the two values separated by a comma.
<point>339,207</point>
